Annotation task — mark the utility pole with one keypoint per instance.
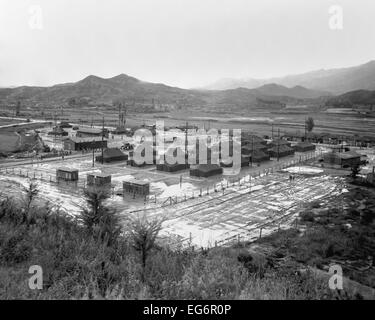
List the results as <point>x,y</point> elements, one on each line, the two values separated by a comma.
<point>272,130</point>
<point>252,150</point>
<point>103,141</point>
<point>186,139</point>
<point>278,144</point>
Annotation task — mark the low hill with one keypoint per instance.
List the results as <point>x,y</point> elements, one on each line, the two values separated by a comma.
<point>358,97</point>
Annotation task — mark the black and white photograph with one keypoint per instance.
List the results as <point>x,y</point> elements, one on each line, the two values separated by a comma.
<point>205,151</point>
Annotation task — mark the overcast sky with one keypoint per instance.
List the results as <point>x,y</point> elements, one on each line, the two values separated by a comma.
<point>185,43</point>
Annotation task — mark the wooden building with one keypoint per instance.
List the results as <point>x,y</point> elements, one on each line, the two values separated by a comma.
<point>67,174</point>
<point>58,131</point>
<point>172,167</point>
<point>281,151</point>
<point>99,180</point>
<point>206,170</point>
<point>304,147</point>
<point>77,144</point>
<point>259,156</point>
<point>136,187</point>
<point>343,160</point>
<point>112,155</point>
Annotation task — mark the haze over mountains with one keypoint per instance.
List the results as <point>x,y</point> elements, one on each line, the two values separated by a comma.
<point>336,81</point>
<point>94,90</point>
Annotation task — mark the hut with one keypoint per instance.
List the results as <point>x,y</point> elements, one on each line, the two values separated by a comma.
<point>249,149</point>
<point>206,170</point>
<point>281,151</point>
<point>304,147</point>
<point>172,167</point>
<point>77,144</point>
<point>248,138</point>
<point>112,155</point>
<point>278,142</point>
<point>259,156</point>
<point>67,174</point>
<point>136,186</point>
<point>58,131</point>
<point>99,180</point>
<point>343,160</point>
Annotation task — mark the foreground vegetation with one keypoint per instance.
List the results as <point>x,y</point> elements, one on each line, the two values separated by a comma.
<point>98,255</point>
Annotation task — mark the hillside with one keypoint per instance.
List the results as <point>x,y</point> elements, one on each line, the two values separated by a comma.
<point>94,91</point>
<point>358,97</point>
<point>336,81</point>
<point>298,92</point>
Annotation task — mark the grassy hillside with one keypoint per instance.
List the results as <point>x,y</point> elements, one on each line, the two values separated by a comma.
<point>89,259</point>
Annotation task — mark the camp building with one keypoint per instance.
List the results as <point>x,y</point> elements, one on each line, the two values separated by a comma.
<point>67,174</point>
<point>77,144</point>
<point>99,179</point>
<point>112,155</point>
<point>206,170</point>
<point>304,147</point>
<point>343,160</point>
<point>136,186</point>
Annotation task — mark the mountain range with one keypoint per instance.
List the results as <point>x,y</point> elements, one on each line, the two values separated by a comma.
<point>336,81</point>
<point>94,91</point>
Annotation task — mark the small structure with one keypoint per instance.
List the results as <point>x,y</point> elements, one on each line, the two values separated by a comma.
<point>172,167</point>
<point>99,180</point>
<point>91,132</point>
<point>77,144</point>
<point>58,131</point>
<point>136,186</point>
<point>250,148</point>
<point>245,160</point>
<point>206,170</point>
<point>340,160</point>
<point>112,155</point>
<point>279,143</point>
<point>281,151</point>
<point>259,156</point>
<point>67,174</point>
<point>65,124</point>
<point>304,147</point>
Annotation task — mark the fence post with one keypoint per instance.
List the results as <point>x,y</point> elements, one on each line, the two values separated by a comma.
<point>260,233</point>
